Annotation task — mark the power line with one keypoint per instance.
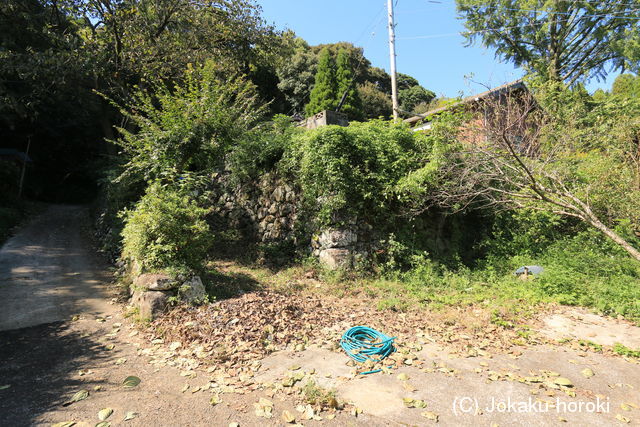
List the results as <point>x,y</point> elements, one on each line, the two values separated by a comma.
<point>373,24</point>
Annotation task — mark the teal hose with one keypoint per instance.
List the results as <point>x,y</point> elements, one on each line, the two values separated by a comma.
<point>362,343</point>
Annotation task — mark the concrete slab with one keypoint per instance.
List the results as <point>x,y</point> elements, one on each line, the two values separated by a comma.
<point>467,392</point>
<point>580,324</point>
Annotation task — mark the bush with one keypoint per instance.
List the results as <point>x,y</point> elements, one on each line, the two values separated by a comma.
<point>353,171</point>
<point>167,229</point>
<point>260,150</point>
<point>188,128</point>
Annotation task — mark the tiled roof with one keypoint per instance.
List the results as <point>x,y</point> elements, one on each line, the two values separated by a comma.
<point>518,84</point>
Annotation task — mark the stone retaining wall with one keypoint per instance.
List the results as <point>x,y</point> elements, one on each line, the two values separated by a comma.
<point>265,212</point>
<point>268,212</point>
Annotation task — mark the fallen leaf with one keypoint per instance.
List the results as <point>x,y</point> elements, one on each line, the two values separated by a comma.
<point>130,415</point>
<point>587,372</point>
<point>4,387</point>
<point>625,407</point>
<point>288,417</point>
<point>81,395</point>
<point>562,381</point>
<point>131,381</point>
<point>430,415</point>
<point>103,424</point>
<point>234,425</point>
<point>403,377</point>
<point>414,403</point>
<point>110,346</point>
<point>264,408</point>
<point>105,413</point>
<point>121,361</point>
<point>308,413</point>
<point>64,424</point>
<point>215,400</point>
<point>623,419</point>
<point>408,387</point>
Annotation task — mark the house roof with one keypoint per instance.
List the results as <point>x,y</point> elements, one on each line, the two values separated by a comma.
<point>518,84</point>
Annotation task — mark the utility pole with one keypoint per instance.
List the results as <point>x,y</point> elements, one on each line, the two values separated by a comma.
<point>392,56</point>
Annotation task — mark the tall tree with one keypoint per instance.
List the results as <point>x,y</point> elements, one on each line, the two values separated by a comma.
<point>296,76</point>
<point>626,85</point>
<point>375,103</point>
<point>411,97</point>
<point>352,105</point>
<point>562,40</point>
<point>323,94</point>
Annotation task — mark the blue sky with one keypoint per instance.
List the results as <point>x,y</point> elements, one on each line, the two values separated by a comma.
<point>429,45</point>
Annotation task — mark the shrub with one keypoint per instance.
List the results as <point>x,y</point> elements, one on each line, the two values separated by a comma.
<point>260,150</point>
<point>189,127</point>
<point>354,170</point>
<point>166,229</point>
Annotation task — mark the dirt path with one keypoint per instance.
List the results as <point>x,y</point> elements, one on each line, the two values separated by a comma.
<point>48,272</point>
<point>49,276</point>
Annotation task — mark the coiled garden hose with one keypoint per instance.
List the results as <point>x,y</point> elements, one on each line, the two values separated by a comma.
<point>362,343</point>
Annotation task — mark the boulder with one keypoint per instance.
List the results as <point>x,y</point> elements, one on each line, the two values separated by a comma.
<point>154,282</point>
<point>337,238</point>
<point>336,259</point>
<point>192,291</point>
<point>150,304</point>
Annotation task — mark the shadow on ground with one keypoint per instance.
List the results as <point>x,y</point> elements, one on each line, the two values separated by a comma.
<point>222,285</point>
<point>40,364</point>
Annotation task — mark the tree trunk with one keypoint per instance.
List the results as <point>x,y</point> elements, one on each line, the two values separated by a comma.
<point>615,237</point>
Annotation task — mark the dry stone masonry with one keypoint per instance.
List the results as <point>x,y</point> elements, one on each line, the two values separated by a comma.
<point>268,212</point>
<point>152,293</point>
<point>265,212</point>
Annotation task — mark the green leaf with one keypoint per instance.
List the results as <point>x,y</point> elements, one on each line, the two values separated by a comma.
<point>562,381</point>
<point>80,395</point>
<point>105,413</point>
<point>130,415</point>
<point>215,400</point>
<point>131,381</point>
<point>588,373</point>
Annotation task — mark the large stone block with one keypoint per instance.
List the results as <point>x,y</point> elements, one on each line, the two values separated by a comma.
<point>192,291</point>
<point>150,304</point>
<point>336,259</point>
<point>154,282</point>
<point>337,238</point>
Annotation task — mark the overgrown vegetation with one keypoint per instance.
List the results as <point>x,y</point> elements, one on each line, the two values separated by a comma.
<point>555,181</point>
<point>166,229</point>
